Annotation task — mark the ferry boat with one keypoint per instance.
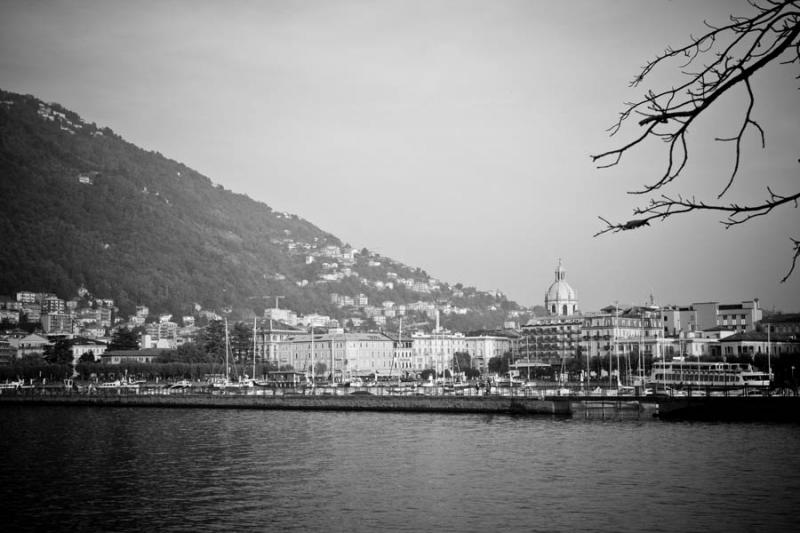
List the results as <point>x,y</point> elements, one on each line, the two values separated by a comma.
<point>707,375</point>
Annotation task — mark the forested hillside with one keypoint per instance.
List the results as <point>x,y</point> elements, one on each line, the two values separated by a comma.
<point>83,207</point>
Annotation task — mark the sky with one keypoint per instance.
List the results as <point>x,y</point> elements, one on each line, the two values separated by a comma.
<point>450,135</point>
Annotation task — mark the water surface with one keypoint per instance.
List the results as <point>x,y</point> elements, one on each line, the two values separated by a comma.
<point>129,469</point>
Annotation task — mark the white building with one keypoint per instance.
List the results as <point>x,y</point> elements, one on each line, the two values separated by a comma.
<point>481,348</point>
<point>286,316</point>
<point>436,350</point>
<point>344,355</point>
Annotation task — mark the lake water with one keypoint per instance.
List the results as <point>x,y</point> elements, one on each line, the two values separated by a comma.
<point>127,469</point>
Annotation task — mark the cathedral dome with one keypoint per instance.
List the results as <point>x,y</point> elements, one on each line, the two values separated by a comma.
<point>561,298</point>
<point>560,290</point>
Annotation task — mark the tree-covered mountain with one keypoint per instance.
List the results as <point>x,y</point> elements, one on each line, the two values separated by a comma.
<point>83,207</point>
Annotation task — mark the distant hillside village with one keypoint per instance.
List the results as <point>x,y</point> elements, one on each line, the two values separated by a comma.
<point>332,263</point>
<point>283,339</point>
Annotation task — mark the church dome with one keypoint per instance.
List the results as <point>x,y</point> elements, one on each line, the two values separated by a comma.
<point>561,298</point>
<point>560,290</point>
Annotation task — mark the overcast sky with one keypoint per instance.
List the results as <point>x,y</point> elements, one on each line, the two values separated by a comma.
<point>450,135</point>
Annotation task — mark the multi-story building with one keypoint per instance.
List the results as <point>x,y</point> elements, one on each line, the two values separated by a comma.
<point>57,323</point>
<point>740,317</point>
<point>104,316</point>
<point>31,344</point>
<point>344,354</point>
<point>551,339</point>
<point>10,316</point>
<point>9,304</point>
<point>787,325</point>
<point>677,320</point>
<point>556,337</point>
<point>163,334</point>
<point>82,346</point>
<point>483,346</point>
<point>118,357</point>
<point>286,316</point>
<point>752,343</point>
<point>26,297</point>
<point>403,365</point>
<point>53,304</point>
<point>7,353</point>
<point>436,350</point>
<point>623,332</point>
<point>315,320</point>
<point>92,330</point>
<point>269,334</point>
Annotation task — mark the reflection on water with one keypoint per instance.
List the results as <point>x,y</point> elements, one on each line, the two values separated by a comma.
<point>189,470</point>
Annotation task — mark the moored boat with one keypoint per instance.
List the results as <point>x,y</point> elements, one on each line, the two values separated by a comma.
<point>707,375</point>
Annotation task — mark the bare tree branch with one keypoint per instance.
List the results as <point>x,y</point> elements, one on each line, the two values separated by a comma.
<point>733,52</point>
<point>796,244</point>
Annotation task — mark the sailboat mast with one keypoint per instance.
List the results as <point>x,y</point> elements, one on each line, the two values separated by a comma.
<point>255,327</point>
<point>312,355</point>
<point>399,347</point>
<point>227,348</point>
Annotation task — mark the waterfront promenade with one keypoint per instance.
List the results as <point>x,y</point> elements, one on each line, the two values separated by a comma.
<point>281,399</point>
<point>692,407</point>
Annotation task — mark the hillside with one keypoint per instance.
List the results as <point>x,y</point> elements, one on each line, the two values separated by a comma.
<point>83,207</point>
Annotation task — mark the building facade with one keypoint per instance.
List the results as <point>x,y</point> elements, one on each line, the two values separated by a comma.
<point>436,350</point>
<point>615,332</point>
<point>269,335</point>
<point>57,323</point>
<point>345,355</point>
<point>483,347</point>
<point>787,325</point>
<point>551,339</point>
<point>739,317</point>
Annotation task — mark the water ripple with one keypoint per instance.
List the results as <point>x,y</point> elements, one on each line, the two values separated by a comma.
<point>206,470</point>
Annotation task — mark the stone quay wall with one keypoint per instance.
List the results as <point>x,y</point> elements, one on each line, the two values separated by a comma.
<point>442,404</point>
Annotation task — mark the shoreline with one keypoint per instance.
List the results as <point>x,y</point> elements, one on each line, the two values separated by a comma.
<point>750,409</point>
<point>441,404</point>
